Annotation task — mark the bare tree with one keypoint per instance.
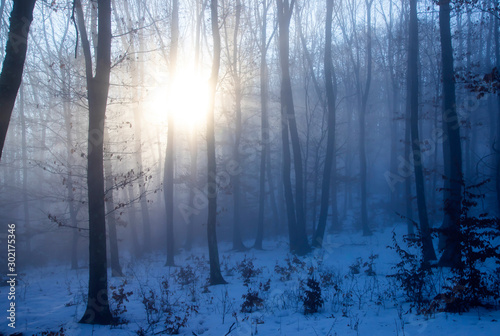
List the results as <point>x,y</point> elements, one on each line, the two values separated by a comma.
<point>97,311</point>
<point>330,162</point>
<point>451,147</point>
<point>412,108</point>
<point>116,269</point>
<point>295,207</point>
<point>13,63</point>
<point>362,120</point>
<point>215,273</point>
<point>264,119</point>
<point>170,156</point>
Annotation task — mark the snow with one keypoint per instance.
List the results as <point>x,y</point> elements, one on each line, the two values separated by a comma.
<point>53,297</point>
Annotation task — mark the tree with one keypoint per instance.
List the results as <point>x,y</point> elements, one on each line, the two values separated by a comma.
<point>330,162</point>
<point>97,311</point>
<point>235,70</point>
<point>215,273</point>
<point>170,156</point>
<point>451,147</point>
<point>13,63</point>
<point>116,269</point>
<point>295,207</point>
<point>362,119</point>
<point>264,120</point>
<point>412,107</point>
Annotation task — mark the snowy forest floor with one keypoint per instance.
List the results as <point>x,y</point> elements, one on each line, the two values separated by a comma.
<point>359,298</point>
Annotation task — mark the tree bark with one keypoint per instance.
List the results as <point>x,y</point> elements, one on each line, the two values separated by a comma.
<point>264,125</point>
<point>296,215</point>
<point>215,273</point>
<point>97,311</point>
<point>24,157</point>
<point>13,63</point>
<point>193,146</point>
<point>331,92</point>
<point>362,122</point>
<point>116,269</point>
<point>451,147</point>
<point>412,107</point>
<point>237,241</point>
<point>170,155</point>
<point>497,56</point>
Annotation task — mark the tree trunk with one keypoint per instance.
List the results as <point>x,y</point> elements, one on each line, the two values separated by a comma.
<point>193,148</point>
<point>362,122</point>
<point>97,311</point>
<point>132,222</point>
<point>331,88</point>
<point>24,157</point>
<point>451,147</point>
<point>295,211</point>
<point>237,242</point>
<point>264,127</point>
<point>116,269</point>
<point>412,107</point>
<point>497,56</point>
<point>170,155</point>
<point>13,63</point>
<point>215,273</point>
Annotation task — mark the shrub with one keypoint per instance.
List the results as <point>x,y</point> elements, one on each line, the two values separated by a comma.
<point>61,332</point>
<point>473,283</point>
<point>291,267</point>
<point>119,297</point>
<point>311,298</point>
<point>412,273</point>
<point>174,322</point>
<point>252,301</point>
<point>247,270</point>
<point>185,276</point>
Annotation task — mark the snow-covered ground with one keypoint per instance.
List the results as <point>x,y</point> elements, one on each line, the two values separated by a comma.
<point>53,297</point>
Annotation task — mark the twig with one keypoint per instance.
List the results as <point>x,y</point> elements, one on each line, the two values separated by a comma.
<point>230,329</point>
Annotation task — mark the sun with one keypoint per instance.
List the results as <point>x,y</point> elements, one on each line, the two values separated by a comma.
<point>187,100</point>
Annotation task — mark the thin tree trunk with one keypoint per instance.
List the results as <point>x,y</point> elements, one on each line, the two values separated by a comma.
<point>215,273</point>
<point>299,243</point>
<point>331,88</point>
<point>133,221</point>
<point>193,148</point>
<point>451,148</point>
<point>237,241</point>
<point>264,127</point>
<point>497,56</point>
<point>412,107</point>
<point>170,156</point>
<point>24,157</point>
<point>97,311</point>
<point>362,123</point>
<point>116,269</point>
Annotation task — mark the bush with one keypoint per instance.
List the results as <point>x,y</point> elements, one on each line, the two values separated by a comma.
<point>311,298</point>
<point>412,273</point>
<point>248,270</point>
<point>119,297</point>
<point>174,322</point>
<point>474,280</point>
<point>185,276</point>
<point>252,301</point>
<point>292,266</point>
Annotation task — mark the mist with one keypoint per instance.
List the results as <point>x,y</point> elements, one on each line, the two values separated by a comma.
<point>242,167</point>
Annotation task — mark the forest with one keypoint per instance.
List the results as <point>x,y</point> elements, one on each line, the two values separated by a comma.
<point>244,167</point>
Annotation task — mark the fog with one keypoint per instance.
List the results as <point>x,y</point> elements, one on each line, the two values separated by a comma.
<point>333,123</point>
